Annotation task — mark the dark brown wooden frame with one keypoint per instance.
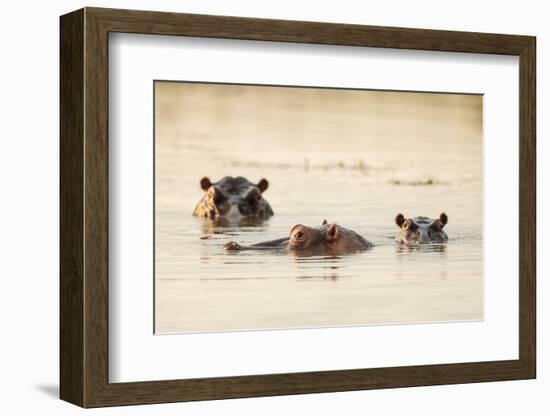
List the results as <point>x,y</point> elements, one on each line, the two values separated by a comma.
<point>84,207</point>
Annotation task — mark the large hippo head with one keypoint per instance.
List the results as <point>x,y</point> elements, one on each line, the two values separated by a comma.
<point>233,198</point>
<point>421,230</point>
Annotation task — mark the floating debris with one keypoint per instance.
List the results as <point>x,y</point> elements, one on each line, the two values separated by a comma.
<point>421,182</point>
<point>358,165</point>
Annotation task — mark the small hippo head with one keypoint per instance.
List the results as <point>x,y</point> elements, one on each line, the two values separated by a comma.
<point>421,230</point>
<point>233,198</point>
<point>328,237</point>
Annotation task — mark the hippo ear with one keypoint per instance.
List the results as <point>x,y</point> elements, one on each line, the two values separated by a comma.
<point>333,232</point>
<point>399,219</point>
<point>263,185</point>
<point>443,218</point>
<point>205,183</point>
<point>324,222</point>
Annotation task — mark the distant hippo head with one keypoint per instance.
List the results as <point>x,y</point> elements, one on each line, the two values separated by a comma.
<point>421,230</point>
<point>233,198</point>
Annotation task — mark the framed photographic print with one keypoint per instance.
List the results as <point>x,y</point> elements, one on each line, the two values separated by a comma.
<point>255,207</point>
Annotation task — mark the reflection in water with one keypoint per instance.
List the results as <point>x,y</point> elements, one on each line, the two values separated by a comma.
<point>229,226</point>
<point>436,258</point>
<point>427,248</point>
<point>331,271</point>
<point>354,158</point>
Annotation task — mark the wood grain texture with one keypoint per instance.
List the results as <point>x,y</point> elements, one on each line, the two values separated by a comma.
<point>84,207</point>
<point>96,208</point>
<point>527,207</point>
<point>162,23</point>
<point>71,208</point>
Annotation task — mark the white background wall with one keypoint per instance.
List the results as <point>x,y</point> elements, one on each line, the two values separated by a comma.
<point>29,206</point>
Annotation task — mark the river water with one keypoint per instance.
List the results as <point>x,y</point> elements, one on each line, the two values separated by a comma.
<point>353,157</point>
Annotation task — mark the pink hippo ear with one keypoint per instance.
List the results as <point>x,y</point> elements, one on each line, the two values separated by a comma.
<point>324,222</point>
<point>263,185</point>
<point>333,232</point>
<point>443,218</point>
<point>399,219</point>
<point>205,183</point>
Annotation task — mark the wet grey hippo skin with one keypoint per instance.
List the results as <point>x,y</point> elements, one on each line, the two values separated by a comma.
<point>421,230</point>
<point>324,239</point>
<point>233,198</point>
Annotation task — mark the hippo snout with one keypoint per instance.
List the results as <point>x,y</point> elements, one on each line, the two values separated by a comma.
<point>232,246</point>
<point>424,238</point>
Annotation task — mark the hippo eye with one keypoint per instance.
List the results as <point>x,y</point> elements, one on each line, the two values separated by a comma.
<point>299,235</point>
<point>217,197</point>
<point>253,198</point>
<point>434,228</point>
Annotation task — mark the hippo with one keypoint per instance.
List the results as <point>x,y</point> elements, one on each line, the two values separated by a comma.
<point>324,239</point>
<point>421,230</point>
<point>233,198</point>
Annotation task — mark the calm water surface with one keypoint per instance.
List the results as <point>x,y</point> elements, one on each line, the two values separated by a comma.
<point>350,157</point>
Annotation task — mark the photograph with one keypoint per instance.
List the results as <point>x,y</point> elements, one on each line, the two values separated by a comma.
<point>276,205</point>
<point>293,207</point>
